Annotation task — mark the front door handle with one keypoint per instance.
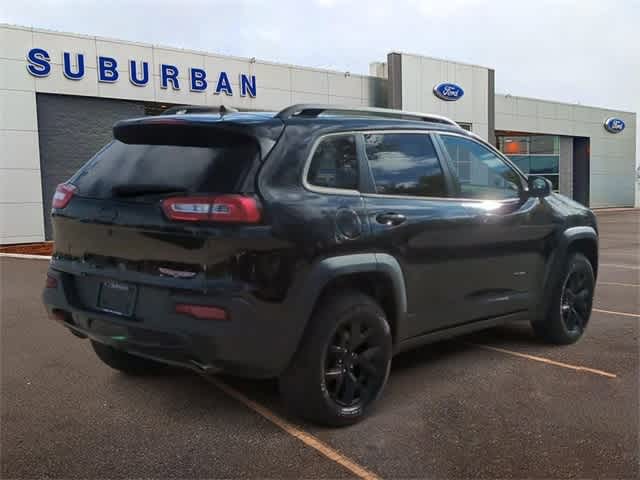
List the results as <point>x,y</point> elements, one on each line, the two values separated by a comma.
<point>390,218</point>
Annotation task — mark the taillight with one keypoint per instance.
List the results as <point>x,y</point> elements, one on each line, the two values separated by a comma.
<point>220,208</point>
<point>63,195</point>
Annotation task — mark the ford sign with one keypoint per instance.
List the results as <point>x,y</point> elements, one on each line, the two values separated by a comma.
<point>448,91</point>
<point>614,125</point>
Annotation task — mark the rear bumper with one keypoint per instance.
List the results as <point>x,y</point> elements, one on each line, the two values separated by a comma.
<point>258,340</point>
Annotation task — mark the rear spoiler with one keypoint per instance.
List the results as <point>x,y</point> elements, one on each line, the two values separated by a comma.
<point>184,109</point>
<point>198,131</point>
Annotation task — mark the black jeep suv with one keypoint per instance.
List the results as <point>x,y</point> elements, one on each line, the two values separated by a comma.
<point>310,245</point>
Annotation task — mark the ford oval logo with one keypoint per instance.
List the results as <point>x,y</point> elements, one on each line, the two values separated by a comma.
<point>614,125</point>
<point>448,91</point>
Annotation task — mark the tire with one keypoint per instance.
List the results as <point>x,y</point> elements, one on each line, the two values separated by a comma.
<point>570,309</point>
<point>333,379</point>
<point>126,362</point>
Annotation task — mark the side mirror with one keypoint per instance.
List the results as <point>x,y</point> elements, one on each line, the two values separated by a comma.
<point>539,186</point>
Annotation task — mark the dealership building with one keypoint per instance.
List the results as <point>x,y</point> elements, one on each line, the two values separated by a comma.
<point>60,94</point>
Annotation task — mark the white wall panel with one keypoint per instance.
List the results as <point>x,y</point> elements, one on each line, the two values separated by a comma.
<point>345,86</point>
<point>546,110</point>
<point>374,91</point>
<point>181,59</point>
<point>56,44</point>
<point>304,97</point>
<point>14,75</point>
<point>19,149</point>
<point>184,96</point>
<point>610,190</point>
<point>309,81</point>
<point>17,110</point>
<point>269,99</point>
<point>56,82</point>
<point>272,76</point>
<point>123,52</point>
<point>345,101</point>
<point>128,91</point>
<point>21,223</point>
<point>526,107</point>
<point>20,186</point>
<point>15,42</point>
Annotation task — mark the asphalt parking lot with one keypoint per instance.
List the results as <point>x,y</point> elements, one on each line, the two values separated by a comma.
<point>493,404</point>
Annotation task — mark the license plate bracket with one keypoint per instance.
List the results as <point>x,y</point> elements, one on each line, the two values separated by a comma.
<point>117,297</point>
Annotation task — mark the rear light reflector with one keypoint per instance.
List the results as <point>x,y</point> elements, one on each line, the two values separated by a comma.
<point>63,195</point>
<point>51,282</point>
<point>221,208</point>
<point>202,311</point>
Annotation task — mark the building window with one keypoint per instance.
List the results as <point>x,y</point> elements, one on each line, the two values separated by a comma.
<point>534,154</point>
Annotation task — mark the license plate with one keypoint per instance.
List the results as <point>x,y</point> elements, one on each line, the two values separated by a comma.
<point>117,297</point>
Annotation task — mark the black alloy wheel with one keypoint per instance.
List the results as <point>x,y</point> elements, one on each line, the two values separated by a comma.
<point>570,305</point>
<point>342,364</point>
<point>575,306</point>
<point>355,366</point>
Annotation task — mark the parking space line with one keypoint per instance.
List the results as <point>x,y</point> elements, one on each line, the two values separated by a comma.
<point>548,361</point>
<point>304,437</point>
<point>612,312</point>
<point>617,284</point>
<point>617,265</point>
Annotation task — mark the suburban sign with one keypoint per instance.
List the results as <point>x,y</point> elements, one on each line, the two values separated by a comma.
<point>448,91</point>
<point>614,125</point>
<point>108,71</point>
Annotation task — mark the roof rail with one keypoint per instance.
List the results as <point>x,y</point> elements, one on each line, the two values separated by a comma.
<point>184,109</point>
<point>312,110</point>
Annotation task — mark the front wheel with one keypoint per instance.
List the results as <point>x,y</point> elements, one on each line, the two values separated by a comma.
<point>343,362</point>
<point>571,304</point>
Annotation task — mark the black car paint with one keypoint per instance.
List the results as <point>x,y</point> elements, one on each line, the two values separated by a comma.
<point>454,265</point>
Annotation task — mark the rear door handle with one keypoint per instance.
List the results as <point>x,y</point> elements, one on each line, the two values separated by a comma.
<point>390,218</point>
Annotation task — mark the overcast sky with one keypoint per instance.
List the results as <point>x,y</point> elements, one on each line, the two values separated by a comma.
<point>582,51</point>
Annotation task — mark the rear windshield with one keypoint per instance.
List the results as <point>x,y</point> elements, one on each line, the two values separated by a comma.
<point>130,170</point>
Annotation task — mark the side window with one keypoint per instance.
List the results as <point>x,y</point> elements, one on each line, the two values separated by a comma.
<point>335,163</point>
<point>405,164</point>
<point>481,173</point>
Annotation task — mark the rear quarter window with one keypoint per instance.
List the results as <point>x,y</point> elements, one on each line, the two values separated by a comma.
<point>334,163</point>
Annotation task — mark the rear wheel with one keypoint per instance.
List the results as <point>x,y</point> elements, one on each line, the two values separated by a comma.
<point>571,305</point>
<point>343,362</point>
<point>126,362</point>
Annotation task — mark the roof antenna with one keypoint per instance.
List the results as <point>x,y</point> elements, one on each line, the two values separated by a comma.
<point>224,110</point>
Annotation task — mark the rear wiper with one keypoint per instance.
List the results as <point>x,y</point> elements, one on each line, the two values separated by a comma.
<point>139,189</point>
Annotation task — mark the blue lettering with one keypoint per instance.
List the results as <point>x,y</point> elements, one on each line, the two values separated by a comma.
<point>247,85</point>
<point>68,71</point>
<point>133,73</point>
<point>198,82</point>
<point>169,73</point>
<point>107,69</point>
<point>39,65</point>
<point>224,85</point>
